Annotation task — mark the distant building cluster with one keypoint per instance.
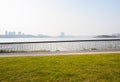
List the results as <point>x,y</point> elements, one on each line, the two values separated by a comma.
<point>13,34</point>
<point>7,33</point>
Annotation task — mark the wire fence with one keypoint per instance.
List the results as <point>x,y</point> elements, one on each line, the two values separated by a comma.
<point>59,46</point>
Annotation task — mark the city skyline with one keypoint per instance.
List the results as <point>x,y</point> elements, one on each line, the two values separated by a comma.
<point>21,33</point>
<point>61,34</point>
<point>14,33</point>
<point>50,17</point>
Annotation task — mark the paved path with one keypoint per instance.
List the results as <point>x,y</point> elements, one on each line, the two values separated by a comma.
<point>54,53</point>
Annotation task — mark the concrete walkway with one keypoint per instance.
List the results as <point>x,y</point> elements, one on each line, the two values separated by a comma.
<point>54,53</point>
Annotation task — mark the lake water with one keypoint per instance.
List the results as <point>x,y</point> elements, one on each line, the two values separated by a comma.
<point>47,39</point>
<point>65,46</point>
<point>40,39</point>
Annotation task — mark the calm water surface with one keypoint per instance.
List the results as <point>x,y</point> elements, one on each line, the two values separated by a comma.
<point>47,39</point>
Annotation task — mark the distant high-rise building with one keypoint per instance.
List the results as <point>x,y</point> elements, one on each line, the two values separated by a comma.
<point>6,32</point>
<point>12,33</point>
<point>19,33</point>
<point>62,34</point>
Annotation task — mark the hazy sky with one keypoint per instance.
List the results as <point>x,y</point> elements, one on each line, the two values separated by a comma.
<point>74,17</point>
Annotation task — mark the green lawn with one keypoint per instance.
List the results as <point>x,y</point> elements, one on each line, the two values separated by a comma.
<point>73,68</point>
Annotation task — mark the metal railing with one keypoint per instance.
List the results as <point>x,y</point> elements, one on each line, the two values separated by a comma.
<point>57,46</point>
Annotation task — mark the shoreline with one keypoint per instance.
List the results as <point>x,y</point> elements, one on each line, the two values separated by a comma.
<point>55,53</point>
